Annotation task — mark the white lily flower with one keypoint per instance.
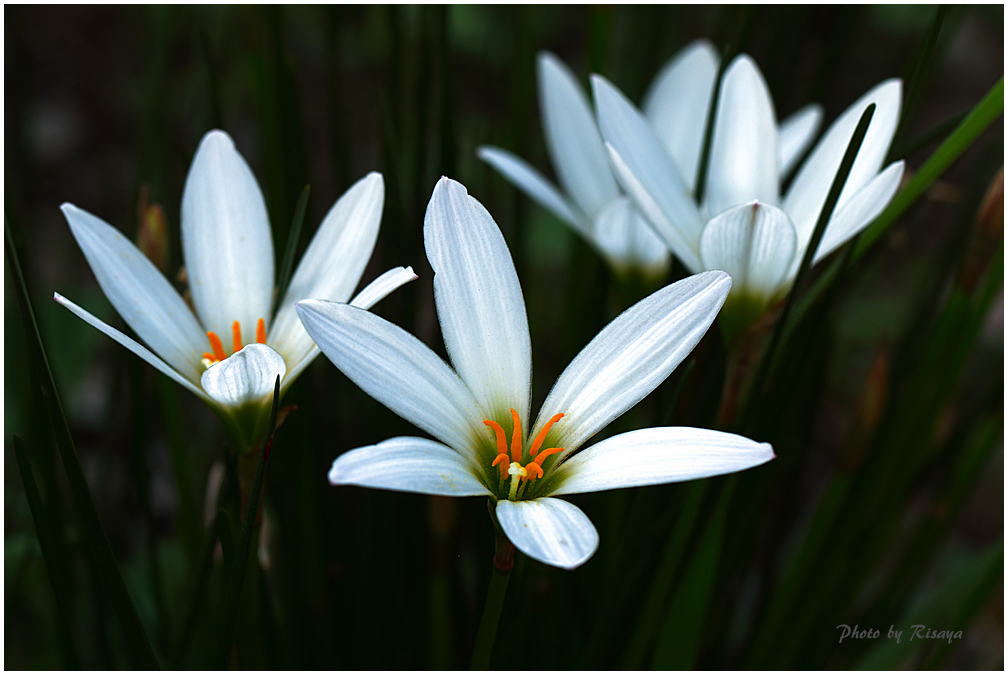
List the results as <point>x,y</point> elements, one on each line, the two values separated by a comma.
<point>744,226</point>
<point>472,408</point>
<point>228,251</point>
<point>594,206</point>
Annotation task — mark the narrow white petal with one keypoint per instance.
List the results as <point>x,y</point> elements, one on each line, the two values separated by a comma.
<point>743,159</point>
<point>226,240</point>
<point>677,104</point>
<point>807,194</point>
<point>754,243</point>
<point>372,294</point>
<point>666,231</point>
<point>141,295</point>
<point>130,344</point>
<point>551,531</point>
<point>524,176</point>
<point>333,263</point>
<point>655,456</point>
<point>625,238</point>
<point>645,158</point>
<point>396,369</point>
<point>796,133</point>
<point>408,464</point>
<point>246,376</point>
<point>630,357</point>
<point>479,301</point>
<point>860,210</point>
<point>572,139</point>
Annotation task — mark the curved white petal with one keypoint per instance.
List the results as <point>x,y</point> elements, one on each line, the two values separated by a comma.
<point>524,176</point>
<point>754,243</point>
<point>644,157</point>
<point>246,376</point>
<point>795,134</point>
<point>372,294</point>
<point>141,295</point>
<point>226,240</point>
<point>130,344</point>
<point>630,357</point>
<point>807,194</point>
<point>572,139</point>
<point>624,236</point>
<point>860,210</point>
<point>408,464</point>
<point>333,263</point>
<point>655,456</point>
<point>743,159</point>
<point>396,369</point>
<point>677,104</point>
<point>667,232</point>
<point>549,530</point>
<point>479,301</point>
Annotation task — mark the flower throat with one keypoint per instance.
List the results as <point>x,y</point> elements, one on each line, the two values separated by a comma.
<point>510,465</point>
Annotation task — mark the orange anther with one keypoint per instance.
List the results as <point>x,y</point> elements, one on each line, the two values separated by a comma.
<point>208,356</point>
<point>261,331</point>
<point>502,459</point>
<point>501,441</point>
<point>546,453</point>
<point>216,346</point>
<point>537,443</point>
<point>534,471</point>
<point>516,437</point>
<point>236,341</point>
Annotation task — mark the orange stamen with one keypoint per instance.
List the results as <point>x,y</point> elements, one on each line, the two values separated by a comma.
<point>546,453</point>
<point>216,346</point>
<point>503,460</point>
<point>516,437</point>
<point>208,356</point>
<point>501,442</point>
<point>537,443</point>
<point>261,331</point>
<point>534,471</point>
<point>236,340</point>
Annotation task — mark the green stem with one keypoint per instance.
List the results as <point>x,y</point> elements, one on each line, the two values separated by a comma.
<point>503,562</point>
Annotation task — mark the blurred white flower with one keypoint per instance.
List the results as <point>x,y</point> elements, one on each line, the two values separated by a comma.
<point>593,205</point>
<point>231,350</point>
<point>472,408</point>
<point>744,226</point>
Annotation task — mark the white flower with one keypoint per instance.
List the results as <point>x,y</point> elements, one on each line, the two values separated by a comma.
<point>231,350</point>
<point>744,226</point>
<point>473,409</point>
<point>593,204</point>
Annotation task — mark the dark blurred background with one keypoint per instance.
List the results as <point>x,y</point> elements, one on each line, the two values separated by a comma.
<point>107,104</point>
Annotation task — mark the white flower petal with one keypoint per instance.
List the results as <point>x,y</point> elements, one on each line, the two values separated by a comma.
<point>668,233</point>
<point>141,295</point>
<point>795,134</point>
<point>479,301</point>
<point>677,104</point>
<point>396,369</point>
<point>408,464</point>
<point>549,530</point>
<point>572,139</point>
<point>626,239</point>
<point>246,376</point>
<point>644,157</point>
<point>372,294</point>
<point>743,159</point>
<point>860,210</point>
<point>131,345</point>
<point>655,456</point>
<point>754,243</point>
<point>333,263</point>
<point>524,176</point>
<point>630,357</point>
<point>808,191</point>
<point>226,240</point>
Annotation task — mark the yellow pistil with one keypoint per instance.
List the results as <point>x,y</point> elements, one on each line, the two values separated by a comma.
<point>510,464</point>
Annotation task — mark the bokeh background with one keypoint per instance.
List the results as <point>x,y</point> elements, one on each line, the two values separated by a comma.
<point>104,107</point>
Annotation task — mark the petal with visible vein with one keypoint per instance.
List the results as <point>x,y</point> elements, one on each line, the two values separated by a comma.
<point>246,376</point>
<point>549,530</point>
